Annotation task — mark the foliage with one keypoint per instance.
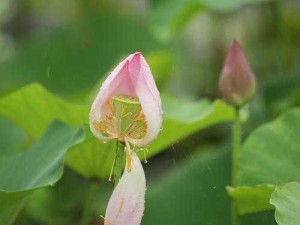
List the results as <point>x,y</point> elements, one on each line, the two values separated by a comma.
<point>270,158</point>
<point>53,57</point>
<point>35,168</point>
<point>287,203</point>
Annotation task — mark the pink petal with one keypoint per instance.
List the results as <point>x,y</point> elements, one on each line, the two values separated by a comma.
<point>126,205</point>
<point>237,82</point>
<point>131,77</point>
<point>149,97</point>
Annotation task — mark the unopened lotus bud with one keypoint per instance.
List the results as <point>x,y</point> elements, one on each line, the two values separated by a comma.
<point>237,82</point>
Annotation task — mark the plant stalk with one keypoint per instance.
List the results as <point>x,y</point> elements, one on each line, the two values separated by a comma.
<point>119,163</point>
<point>236,149</point>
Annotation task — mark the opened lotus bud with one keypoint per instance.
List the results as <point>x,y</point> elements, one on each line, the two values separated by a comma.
<point>237,82</point>
<point>128,105</point>
<point>127,109</point>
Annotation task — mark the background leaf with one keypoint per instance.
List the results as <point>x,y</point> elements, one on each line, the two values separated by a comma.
<point>10,206</point>
<point>94,159</point>
<point>271,153</point>
<point>269,156</point>
<point>38,167</point>
<point>66,61</point>
<point>43,164</point>
<point>39,108</point>
<point>252,199</point>
<point>195,190</point>
<point>287,203</point>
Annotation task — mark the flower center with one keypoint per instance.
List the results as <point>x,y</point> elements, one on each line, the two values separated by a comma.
<point>123,117</point>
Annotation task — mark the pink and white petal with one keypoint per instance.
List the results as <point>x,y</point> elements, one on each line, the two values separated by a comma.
<point>126,205</point>
<point>117,83</point>
<point>146,72</point>
<point>149,97</point>
<point>139,67</point>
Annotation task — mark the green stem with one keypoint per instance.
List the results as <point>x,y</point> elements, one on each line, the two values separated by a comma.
<point>236,149</point>
<point>120,162</point>
<point>88,207</point>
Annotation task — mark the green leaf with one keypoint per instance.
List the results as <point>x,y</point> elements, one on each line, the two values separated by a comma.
<point>271,153</point>
<point>40,166</point>
<point>70,59</point>
<point>183,118</point>
<point>251,199</point>
<point>33,108</point>
<point>94,159</point>
<point>10,206</point>
<point>287,203</point>
<point>270,156</point>
<point>15,139</point>
<point>193,193</point>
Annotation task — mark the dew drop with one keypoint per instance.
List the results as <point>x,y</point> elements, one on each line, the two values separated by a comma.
<point>145,161</point>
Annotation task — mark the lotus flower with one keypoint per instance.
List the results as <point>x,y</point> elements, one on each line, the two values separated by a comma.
<point>128,105</point>
<point>128,109</point>
<point>237,82</point>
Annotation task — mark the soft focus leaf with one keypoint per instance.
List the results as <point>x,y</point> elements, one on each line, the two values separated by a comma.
<point>14,139</point>
<point>271,153</point>
<point>252,199</point>
<point>43,164</point>
<point>182,118</point>
<point>38,167</point>
<point>33,108</point>
<point>10,206</point>
<point>287,203</point>
<point>194,193</point>
<point>162,64</point>
<point>270,156</point>
<point>70,59</point>
<point>93,158</point>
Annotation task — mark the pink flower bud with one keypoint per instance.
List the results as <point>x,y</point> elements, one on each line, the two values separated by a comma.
<point>128,105</point>
<point>126,204</point>
<point>237,82</point>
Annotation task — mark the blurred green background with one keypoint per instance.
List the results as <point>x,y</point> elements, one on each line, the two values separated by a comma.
<point>69,46</point>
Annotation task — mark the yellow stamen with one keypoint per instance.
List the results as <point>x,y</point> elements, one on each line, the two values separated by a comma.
<point>129,156</point>
<point>107,220</point>
<point>112,169</point>
<point>145,154</point>
<point>123,117</point>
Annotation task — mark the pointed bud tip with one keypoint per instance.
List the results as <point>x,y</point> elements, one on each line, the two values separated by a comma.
<point>237,82</point>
